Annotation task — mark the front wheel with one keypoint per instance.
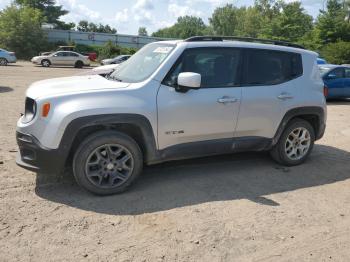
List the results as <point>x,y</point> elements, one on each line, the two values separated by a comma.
<point>295,143</point>
<point>107,163</point>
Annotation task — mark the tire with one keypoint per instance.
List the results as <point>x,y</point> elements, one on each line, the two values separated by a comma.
<point>3,62</point>
<point>107,162</point>
<point>46,63</point>
<point>292,154</point>
<point>79,64</point>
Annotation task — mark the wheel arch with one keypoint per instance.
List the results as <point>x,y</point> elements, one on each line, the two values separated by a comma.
<point>79,63</point>
<point>136,126</point>
<point>313,115</point>
<point>4,59</point>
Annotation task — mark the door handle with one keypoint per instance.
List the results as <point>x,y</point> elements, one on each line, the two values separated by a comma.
<point>227,99</point>
<point>285,96</point>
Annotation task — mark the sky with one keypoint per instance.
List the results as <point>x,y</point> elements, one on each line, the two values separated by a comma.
<point>127,16</point>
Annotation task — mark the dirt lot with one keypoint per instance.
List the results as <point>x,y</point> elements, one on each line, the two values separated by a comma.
<point>230,208</point>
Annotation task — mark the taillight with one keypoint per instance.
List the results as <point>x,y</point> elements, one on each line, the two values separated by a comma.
<point>325,91</point>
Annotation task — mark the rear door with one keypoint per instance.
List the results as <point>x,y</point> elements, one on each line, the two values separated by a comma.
<point>267,91</point>
<point>71,58</point>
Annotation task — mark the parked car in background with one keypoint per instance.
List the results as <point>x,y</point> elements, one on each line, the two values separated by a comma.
<point>62,58</point>
<point>116,60</point>
<point>101,70</point>
<point>337,79</point>
<point>321,61</point>
<point>92,55</point>
<point>7,57</point>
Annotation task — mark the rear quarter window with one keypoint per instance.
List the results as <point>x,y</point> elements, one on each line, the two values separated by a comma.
<point>270,67</point>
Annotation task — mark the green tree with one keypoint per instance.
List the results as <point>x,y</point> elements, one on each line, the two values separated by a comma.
<point>337,53</point>
<point>85,26</point>
<point>268,9</point>
<point>333,24</point>
<point>224,20</point>
<point>49,9</point>
<point>233,21</point>
<point>142,31</point>
<point>20,30</point>
<point>186,26</point>
<point>291,23</point>
<point>109,50</point>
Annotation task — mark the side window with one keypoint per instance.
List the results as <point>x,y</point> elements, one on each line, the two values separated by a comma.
<point>60,54</point>
<point>337,73</point>
<point>347,72</point>
<point>266,67</point>
<point>217,66</point>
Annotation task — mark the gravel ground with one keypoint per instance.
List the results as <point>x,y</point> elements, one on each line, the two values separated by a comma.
<point>239,207</point>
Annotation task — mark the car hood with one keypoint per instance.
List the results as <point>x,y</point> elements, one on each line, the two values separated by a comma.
<point>71,85</point>
<point>40,57</point>
<point>107,60</point>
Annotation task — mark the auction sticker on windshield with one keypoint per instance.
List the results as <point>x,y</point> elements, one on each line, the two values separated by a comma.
<point>163,49</point>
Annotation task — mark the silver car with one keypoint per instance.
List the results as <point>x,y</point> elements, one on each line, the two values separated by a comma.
<point>7,57</point>
<point>116,60</point>
<point>175,100</point>
<point>62,58</point>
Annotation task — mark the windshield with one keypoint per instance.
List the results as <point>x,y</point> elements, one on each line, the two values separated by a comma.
<point>142,64</point>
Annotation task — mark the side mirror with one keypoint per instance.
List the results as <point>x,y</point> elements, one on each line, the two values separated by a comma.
<point>188,80</point>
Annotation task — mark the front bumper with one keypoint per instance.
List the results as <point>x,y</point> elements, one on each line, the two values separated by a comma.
<point>34,157</point>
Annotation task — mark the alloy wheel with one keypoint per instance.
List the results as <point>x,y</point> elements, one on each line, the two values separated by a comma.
<point>298,143</point>
<point>109,166</point>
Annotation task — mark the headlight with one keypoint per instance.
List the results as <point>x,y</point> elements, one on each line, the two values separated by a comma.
<point>30,110</point>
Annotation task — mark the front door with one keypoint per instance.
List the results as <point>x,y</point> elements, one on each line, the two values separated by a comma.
<point>347,83</point>
<point>334,80</point>
<point>203,119</point>
<point>58,58</point>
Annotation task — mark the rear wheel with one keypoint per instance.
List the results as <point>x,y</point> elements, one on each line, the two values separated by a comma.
<point>3,62</point>
<point>295,143</point>
<point>79,64</point>
<point>45,63</point>
<point>107,163</point>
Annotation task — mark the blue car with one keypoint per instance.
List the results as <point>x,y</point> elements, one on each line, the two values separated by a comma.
<point>337,79</point>
<point>7,57</point>
<point>321,61</point>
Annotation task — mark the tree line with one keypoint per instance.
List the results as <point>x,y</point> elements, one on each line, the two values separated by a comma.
<point>329,34</point>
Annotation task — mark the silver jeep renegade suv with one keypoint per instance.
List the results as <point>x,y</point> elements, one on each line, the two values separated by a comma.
<point>174,100</point>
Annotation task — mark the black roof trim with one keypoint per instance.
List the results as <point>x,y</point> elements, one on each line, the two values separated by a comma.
<point>243,39</point>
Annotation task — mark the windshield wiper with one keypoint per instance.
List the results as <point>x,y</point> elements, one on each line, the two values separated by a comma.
<point>109,76</point>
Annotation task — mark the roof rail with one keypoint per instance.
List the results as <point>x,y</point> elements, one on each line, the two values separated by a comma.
<point>244,39</point>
